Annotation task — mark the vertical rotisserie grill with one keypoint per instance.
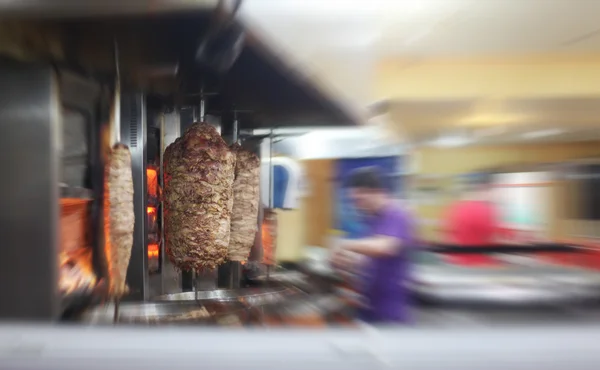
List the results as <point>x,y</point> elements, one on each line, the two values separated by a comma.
<point>65,71</point>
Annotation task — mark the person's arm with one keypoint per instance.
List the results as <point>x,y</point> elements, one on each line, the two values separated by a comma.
<point>376,246</point>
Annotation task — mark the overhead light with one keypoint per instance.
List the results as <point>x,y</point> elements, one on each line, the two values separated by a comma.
<point>542,133</point>
<point>451,141</point>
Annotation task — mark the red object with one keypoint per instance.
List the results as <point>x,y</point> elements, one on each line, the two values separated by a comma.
<point>472,223</point>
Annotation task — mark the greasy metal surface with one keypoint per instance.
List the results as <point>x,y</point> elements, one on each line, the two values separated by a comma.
<point>133,134</point>
<point>170,132</point>
<point>74,149</point>
<point>230,308</point>
<point>76,192</point>
<point>251,297</point>
<point>89,8</point>
<point>163,312</point>
<point>525,282</point>
<point>29,194</point>
<point>296,279</point>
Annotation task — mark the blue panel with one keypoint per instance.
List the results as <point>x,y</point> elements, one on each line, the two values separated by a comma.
<point>347,218</point>
<point>281,179</point>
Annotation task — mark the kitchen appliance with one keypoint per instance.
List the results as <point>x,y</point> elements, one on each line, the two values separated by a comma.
<point>57,83</point>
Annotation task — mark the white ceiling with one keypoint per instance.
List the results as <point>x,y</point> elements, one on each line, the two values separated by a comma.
<point>429,27</point>
<point>339,41</point>
<point>503,121</point>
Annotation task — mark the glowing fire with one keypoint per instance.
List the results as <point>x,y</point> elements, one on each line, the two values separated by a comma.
<point>153,250</point>
<point>152,178</point>
<point>151,212</point>
<point>269,237</point>
<point>75,257</point>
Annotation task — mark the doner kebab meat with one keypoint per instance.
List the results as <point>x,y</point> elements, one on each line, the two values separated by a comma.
<point>119,217</point>
<point>245,203</point>
<point>198,199</point>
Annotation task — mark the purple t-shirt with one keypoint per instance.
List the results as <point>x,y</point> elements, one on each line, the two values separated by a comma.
<point>385,279</point>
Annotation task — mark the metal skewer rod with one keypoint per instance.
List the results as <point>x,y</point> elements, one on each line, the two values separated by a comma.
<point>116,134</point>
<point>235,267</point>
<point>116,129</point>
<point>271,169</point>
<point>271,193</point>
<point>195,285</point>
<point>236,128</point>
<point>202,105</point>
<point>116,313</point>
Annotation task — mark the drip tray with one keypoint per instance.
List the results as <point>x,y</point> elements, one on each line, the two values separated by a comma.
<point>218,307</point>
<point>164,313</point>
<point>249,297</point>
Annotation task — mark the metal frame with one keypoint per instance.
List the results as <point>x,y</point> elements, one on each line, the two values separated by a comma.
<point>134,135</point>
<point>208,280</point>
<point>29,194</point>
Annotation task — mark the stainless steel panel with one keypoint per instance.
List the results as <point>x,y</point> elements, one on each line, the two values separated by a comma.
<point>214,121</point>
<point>170,278</point>
<point>250,297</point>
<point>88,8</point>
<point>74,148</point>
<point>266,172</point>
<point>163,312</point>
<point>29,192</point>
<point>133,134</point>
<point>513,283</point>
<point>172,128</point>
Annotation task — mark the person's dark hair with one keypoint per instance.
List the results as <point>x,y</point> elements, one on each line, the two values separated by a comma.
<point>365,178</point>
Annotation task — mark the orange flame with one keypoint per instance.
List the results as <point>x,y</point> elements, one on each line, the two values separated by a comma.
<point>268,235</point>
<point>152,179</point>
<point>75,256</point>
<point>153,250</point>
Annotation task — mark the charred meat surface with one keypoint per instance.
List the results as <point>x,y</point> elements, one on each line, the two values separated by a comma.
<point>198,199</point>
<point>245,204</point>
<point>119,217</point>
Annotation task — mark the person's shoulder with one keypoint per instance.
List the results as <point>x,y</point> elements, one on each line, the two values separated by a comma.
<point>399,210</point>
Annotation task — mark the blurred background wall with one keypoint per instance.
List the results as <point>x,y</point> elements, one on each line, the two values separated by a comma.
<point>448,85</point>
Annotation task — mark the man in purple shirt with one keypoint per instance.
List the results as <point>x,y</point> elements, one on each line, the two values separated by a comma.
<point>390,237</point>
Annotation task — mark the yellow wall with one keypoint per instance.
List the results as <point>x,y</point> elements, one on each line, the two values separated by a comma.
<point>308,225</point>
<point>291,234</point>
<point>525,77</point>
<point>319,203</point>
<point>463,160</point>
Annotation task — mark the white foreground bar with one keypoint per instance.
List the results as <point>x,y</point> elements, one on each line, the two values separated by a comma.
<point>78,347</point>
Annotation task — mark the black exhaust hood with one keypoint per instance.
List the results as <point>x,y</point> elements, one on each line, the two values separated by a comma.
<point>159,43</point>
